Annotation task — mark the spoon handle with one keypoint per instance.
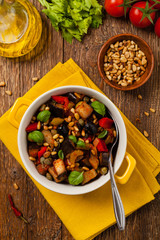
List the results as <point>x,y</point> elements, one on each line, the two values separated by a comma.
<point>117,202</point>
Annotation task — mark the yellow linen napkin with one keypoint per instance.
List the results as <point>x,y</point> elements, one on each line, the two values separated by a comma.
<point>87,215</point>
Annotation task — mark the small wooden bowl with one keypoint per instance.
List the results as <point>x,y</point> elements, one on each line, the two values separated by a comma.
<point>142,45</point>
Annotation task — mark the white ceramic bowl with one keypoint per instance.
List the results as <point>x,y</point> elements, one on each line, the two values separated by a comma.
<point>60,187</point>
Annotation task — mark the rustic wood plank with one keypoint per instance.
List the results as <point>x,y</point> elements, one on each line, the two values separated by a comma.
<point>18,73</point>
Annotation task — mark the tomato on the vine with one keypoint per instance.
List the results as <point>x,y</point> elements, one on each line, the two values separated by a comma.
<point>157,5</point>
<point>113,9</point>
<point>142,14</point>
<point>157,27</point>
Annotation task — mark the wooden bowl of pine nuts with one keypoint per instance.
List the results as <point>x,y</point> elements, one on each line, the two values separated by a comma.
<point>125,62</point>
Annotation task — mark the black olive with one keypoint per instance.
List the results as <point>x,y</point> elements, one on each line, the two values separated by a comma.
<point>63,130</point>
<point>67,146</point>
<point>72,97</point>
<point>91,128</point>
<point>56,109</point>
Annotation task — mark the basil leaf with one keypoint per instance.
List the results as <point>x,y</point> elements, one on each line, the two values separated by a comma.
<point>73,138</point>
<point>99,107</point>
<point>75,178</point>
<point>103,134</point>
<point>61,154</point>
<point>43,116</point>
<point>81,144</point>
<point>36,136</point>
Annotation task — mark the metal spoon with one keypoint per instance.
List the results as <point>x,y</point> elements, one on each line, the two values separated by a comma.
<point>117,202</point>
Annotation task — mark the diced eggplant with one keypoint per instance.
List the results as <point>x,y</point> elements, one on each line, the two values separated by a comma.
<point>67,146</point>
<point>86,162</point>
<point>88,176</point>
<point>94,161</point>
<point>91,128</point>
<point>76,156</point>
<point>56,109</point>
<point>72,97</point>
<point>59,167</point>
<point>103,160</point>
<point>84,110</point>
<point>63,129</point>
<point>48,137</point>
<point>54,175</point>
<point>33,149</point>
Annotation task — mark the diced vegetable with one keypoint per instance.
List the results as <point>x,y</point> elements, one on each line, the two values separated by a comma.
<point>88,176</point>
<point>41,152</point>
<point>31,127</point>
<point>105,122</point>
<point>94,161</point>
<point>101,147</point>
<point>57,121</point>
<point>42,169</point>
<point>33,150</point>
<point>84,110</point>
<point>56,109</point>
<point>59,167</point>
<point>62,100</point>
<point>48,137</point>
<point>55,176</point>
<point>75,156</point>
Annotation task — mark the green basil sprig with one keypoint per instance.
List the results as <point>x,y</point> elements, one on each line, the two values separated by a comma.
<point>43,116</point>
<point>81,144</point>
<point>73,138</point>
<point>61,154</point>
<point>103,134</point>
<point>75,178</point>
<point>36,136</point>
<point>99,107</point>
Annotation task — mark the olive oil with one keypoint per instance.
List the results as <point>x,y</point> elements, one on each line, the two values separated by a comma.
<point>20,28</point>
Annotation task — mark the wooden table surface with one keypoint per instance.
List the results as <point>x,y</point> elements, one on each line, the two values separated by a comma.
<point>18,73</point>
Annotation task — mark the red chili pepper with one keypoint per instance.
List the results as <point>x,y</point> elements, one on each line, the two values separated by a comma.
<point>15,210</point>
<point>41,152</point>
<point>101,147</point>
<point>31,127</point>
<point>105,122</point>
<point>62,100</point>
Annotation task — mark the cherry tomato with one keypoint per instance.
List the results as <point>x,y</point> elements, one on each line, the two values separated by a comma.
<point>136,15</point>
<point>111,7</point>
<point>157,5</point>
<point>157,27</point>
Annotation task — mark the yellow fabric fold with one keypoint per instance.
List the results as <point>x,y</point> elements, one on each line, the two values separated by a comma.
<point>87,215</point>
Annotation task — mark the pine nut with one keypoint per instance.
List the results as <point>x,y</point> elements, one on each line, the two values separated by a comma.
<point>45,127</point>
<point>145,133</point>
<point>32,159</point>
<point>35,79</point>
<point>83,133</point>
<point>139,97</point>
<point>8,93</point>
<point>85,168</point>
<point>72,110</point>
<point>53,153</point>
<point>76,115</point>
<point>70,124</point>
<point>152,110</point>
<point>61,140</point>
<point>15,186</point>
<point>46,144</point>
<point>47,108</point>
<point>146,113</point>
<point>56,136</point>
<point>2,84</point>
